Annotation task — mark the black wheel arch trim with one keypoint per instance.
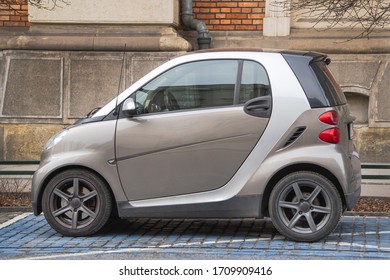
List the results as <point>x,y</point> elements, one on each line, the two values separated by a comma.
<point>295,168</point>
<point>37,205</point>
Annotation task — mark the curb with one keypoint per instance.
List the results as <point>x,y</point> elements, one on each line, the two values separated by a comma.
<point>369,214</point>
<point>15,209</point>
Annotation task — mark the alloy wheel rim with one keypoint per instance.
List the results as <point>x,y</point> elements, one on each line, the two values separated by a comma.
<point>304,207</point>
<point>74,203</point>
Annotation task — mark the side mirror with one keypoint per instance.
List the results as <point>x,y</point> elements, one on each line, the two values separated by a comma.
<point>128,107</point>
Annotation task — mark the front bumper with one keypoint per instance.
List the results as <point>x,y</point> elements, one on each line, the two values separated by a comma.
<point>36,206</point>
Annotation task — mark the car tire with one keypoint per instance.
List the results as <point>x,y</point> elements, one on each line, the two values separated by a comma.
<point>305,206</point>
<point>76,203</point>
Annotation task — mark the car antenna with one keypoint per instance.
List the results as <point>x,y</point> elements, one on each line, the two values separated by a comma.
<point>115,113</point>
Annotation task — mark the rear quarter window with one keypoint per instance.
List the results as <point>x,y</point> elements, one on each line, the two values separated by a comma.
<point>317,81</point>
<point>329,85</point>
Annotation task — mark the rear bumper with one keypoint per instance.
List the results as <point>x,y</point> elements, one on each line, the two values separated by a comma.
<point>35,209</point>
<point>352,197</point>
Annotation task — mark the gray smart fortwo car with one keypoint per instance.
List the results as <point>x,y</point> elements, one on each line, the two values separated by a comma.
<point>217,134</point>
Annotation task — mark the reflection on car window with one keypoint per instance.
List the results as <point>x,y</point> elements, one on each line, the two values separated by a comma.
<point>189,86</point>
<point>254,82</point>
<point>332,90</point>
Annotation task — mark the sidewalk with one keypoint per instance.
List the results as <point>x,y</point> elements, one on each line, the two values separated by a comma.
<point>375,190</point>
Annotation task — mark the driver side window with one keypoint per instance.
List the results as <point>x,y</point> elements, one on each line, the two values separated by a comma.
<point>201,84</point>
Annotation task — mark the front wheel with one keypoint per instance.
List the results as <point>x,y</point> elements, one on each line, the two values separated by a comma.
<point>76,203</point>
<point>305,206</point>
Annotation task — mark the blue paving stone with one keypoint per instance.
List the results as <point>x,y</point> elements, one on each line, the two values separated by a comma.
<point>123,245</point>
<point>12,252</point>
<point>355,237</point>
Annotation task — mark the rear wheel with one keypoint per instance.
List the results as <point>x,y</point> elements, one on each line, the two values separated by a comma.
<point>305,206</point>
<point>77,203</point>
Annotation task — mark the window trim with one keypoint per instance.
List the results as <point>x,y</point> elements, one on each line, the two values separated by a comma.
<point>237,86</point>
<point>239,82</point>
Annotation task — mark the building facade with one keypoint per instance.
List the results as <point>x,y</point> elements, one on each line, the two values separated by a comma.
<point>58,64</point>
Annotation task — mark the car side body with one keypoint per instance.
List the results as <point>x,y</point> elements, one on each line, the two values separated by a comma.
<point>210,135</point>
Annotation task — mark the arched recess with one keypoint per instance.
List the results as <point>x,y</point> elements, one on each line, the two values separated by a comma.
<point>358,100</point>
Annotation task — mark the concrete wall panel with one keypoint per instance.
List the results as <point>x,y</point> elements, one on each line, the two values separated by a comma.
<point>25,142</point>
<point>141,64</point>
<point>1,142</point>
<point>33,88</point>
<point>93,82</point>
<point>355,73</point>
<point>384,95</point>
<point>373,144</point>
<point>2,77</point>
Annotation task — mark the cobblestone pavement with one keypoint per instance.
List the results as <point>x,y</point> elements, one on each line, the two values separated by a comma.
<point>30,237</point>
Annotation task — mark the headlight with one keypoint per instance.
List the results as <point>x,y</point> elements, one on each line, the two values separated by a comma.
<point>55,140</point>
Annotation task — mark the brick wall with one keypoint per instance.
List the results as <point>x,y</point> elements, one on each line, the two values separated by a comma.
<point>14,13</point>
<point>230,15</point>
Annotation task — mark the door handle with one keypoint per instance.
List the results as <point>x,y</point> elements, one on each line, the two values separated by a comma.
<point>259,106</point>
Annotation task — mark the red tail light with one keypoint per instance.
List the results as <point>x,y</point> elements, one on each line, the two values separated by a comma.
<point>331,135</point>
<point>330,117</point>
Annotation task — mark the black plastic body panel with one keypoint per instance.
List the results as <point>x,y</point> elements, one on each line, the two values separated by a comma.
<point>306,76</point>
<point>236,207</point>
<point>318,84</point>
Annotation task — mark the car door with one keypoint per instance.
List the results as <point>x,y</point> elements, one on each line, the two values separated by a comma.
<point>191,133</point>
